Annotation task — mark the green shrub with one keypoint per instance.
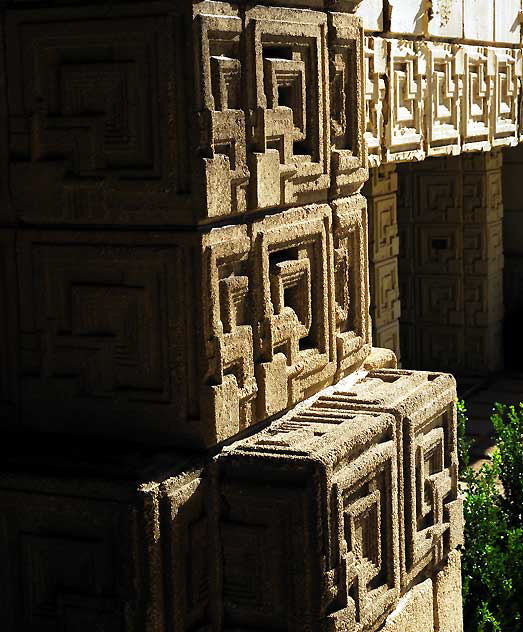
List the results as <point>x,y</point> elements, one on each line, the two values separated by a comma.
<point>493,555</point>
<point>464,443</point>
<point>508,424</point>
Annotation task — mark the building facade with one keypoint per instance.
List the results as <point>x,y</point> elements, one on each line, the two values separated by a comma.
<point>222,225</point>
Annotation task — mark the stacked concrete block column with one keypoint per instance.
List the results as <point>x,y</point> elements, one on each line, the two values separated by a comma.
<point>451,263</point>
<point>184,266</point>
<point>230,140</point>
<point>381,193</point>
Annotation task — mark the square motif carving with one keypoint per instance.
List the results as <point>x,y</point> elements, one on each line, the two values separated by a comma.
<point>375,69</point>
<point>294,347</point>
<point>475,118</point>
<point>344,463</point>
<point>504,113</point>
<point>221,110</point>
<point>439,196</point>
<point>230,387</point>
<point>102,332</point>
<point>349,150</point>
<point>483,300</point>
<point>404,128</point>
<point>366,489</point>
<point>439,248</point>
<point>438,346</point>
<point>60,562</point>
<point>430,471</point>
<point>93,125</point>
<point>286,58</point>
<point>440,300</point>
<point>383,226</point>
<point>443,100</point>
<point>351,288</point>
<point>385,292</point>
<point>423,405</point>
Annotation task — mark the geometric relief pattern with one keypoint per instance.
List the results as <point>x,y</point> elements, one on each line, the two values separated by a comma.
<point>374,74</point>
<point>98,552</point>
<point>286,55</point>
<point>347,114</point>
<point>381,193</point>
<point>366,477</point>
<point>180,546</point>
<point>102,110</point>
<point>367,496</point>
<point>219,103</point>
<point>404,129</point>
<point>102,332</point>
<point>348,496</point>
<point>291,282</point>
<point>230,385</point>
<point>262,543</point>
<point>351,289</point>
<point>424,407</point>
<point>475,122</point>
<point>104,323</point>
<point>385,291</point>
<point>504,110</point>
<point>431,502</point>
<point>453,277</point>
<point>60,550</point>
<point>443,84</point>
<point>435,99</point>
<point>87,126</point>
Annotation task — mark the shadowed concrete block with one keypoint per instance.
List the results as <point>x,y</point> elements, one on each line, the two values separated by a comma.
<point>423,405</point>
<point>312,503</point>
<point>90,545</point>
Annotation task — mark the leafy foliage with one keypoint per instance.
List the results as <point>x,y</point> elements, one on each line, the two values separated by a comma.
<point>493,555</point>
<point>508,424</point>
<point>464,443</point>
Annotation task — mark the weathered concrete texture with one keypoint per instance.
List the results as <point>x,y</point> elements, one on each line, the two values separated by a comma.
<point>433,605</point>
<point>324,520</point>
<point>87,544</point>
<point>185,337</point>
<point>380,358</point>
<point>414,612</point>
<point>427,98</point>
<point>451,263</point>
<point>364,475</point>
<point>145,116</point>
<point>169,116</point>
<point>385,308</point>
<point>448,610</point>
<point>183,255</point>
<point>424,408</point>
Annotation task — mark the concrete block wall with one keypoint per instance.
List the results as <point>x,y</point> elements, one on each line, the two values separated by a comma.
<point>201,435</point>
<point>451,263</point>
